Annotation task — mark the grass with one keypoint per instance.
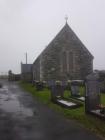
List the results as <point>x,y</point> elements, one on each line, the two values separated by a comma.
<point>93,123</point>
<point>103,99</point>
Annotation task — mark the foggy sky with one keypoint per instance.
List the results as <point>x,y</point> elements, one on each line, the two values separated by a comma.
<point>30,25</point>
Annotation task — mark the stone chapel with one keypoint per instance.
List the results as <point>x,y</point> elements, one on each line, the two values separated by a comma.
<point>65,58</point>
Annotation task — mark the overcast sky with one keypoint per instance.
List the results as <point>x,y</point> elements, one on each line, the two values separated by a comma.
<point>30,25</point>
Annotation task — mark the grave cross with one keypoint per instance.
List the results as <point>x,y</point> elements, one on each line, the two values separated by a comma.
<point>66,18</point>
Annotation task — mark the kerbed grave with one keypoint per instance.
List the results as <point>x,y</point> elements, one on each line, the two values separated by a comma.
<point>57,95</point>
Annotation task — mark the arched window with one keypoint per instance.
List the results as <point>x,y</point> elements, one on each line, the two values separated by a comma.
<point>64,62</point>
<point>70,62</point>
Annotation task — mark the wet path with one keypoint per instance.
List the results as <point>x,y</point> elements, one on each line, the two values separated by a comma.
<point>22,118</point>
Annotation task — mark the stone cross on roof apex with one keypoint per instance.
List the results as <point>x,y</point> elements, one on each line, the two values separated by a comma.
<point>66,18</point>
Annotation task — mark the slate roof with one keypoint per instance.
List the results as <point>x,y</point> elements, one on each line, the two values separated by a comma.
<point>70,36</point>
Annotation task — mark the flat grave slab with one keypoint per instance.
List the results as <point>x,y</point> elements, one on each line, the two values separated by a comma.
<point>67,104</point>
<point>98,114</point>
<point>81,99</point>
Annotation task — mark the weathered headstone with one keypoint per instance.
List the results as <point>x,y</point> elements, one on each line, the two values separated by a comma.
<point>102,81</point>
<point>75,88</point>
<point>44,84</point>
<point>57,90</point>
<point>92,95</point>
<point>64,84</point>
<point>57,95</point>
<point>68,85</point>
<point>50,83</point>
<point>39,85</point>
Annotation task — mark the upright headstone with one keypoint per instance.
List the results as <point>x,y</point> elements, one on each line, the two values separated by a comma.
<point>102,81</point>
<point>51,83</point>
<point>44,84</point>
<point>64,84</point>
<point>57,90</point>
<point>75,88</point>
<point>39,85</point>
<point>51,86</point>
<point>68,85</point>
<point>92,95</point>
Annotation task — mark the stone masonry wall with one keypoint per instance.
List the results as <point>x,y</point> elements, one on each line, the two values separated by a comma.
<point>64,58</point>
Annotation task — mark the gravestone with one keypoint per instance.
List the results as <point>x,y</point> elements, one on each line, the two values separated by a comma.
<point>64,84</point>
<point>44,84</point>
<point>39,85</point>
<point>50,83</point>
<point>57,95</point>
<point>75,88</point>
<point>57,90</point>
<point>68,85</point>
<point>92,95</point>
<point>102,81</point>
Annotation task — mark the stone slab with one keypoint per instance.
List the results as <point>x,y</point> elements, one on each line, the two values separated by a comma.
<point>66,103</point>
<point>82,98</point>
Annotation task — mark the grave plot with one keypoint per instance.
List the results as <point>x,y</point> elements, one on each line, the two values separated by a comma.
<point>57,96</point>
<point>75,90</point>
<point>93,97</point>
<point>39,85</point>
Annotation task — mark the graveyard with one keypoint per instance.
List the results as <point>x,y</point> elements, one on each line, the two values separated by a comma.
<point>66,81</point>
<point>78,114</point>
<point>57,90</point>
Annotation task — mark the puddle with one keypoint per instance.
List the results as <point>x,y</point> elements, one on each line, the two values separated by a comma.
<point>14,106</point>
<point>10,103</point>
<point>4,88</point>
<point>14,86</point>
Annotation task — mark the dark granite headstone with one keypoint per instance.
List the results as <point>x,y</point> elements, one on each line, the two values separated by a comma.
<point>92,95</point>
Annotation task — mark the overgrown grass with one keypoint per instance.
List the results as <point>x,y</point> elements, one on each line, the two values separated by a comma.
<point>93,123</point>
